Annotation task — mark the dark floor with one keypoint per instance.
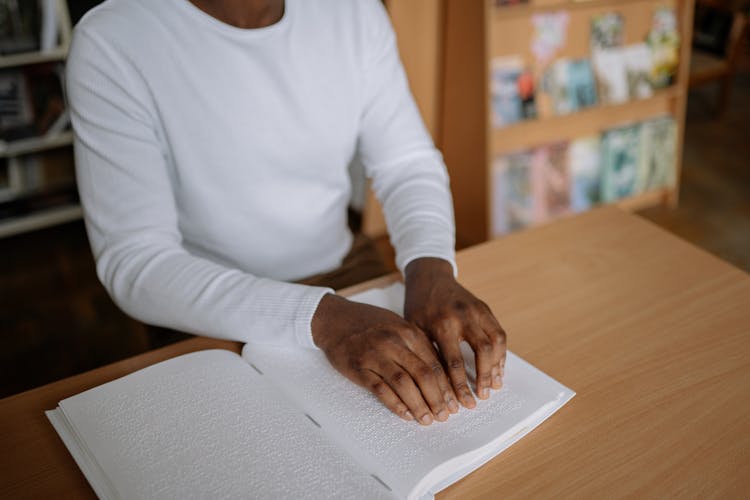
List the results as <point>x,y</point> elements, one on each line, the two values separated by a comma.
<point>57,320</point>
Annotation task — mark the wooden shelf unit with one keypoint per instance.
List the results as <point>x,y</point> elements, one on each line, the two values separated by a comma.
<point>475,32</point>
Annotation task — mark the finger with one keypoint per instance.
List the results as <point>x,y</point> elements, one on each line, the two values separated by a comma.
<point>401,382</point>
<point>454,361</point>
<point>484,352</point>
<point>496,334</point>
<point>427,353</point>
<point>376,385</point>
<point>427,382</point>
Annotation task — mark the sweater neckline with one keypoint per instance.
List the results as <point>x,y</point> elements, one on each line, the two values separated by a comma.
<point>248,33</point>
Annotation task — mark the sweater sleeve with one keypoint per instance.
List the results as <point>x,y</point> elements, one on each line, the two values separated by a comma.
<point>132,221</point>
<point>409,177</point>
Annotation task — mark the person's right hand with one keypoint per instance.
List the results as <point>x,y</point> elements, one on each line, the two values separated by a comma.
<point>390,357</point>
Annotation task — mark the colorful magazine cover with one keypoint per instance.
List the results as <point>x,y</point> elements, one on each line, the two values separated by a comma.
<point>664,41</point>
<point>657,165</point>
<point>549,35</point>
<point>512,91</point>
<point>620,157</point>
<point>638,66</point>
<point>512,207</point>
<point>571,85</point>
<point>607,31</point>
<point>550,182</point>
<point>585,173</point>
<point>611,75</point>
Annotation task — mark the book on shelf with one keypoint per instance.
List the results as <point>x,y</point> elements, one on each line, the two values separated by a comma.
<point>34,181</point>
<point>28,26</point>
<point>32,102</point>
<point>658,147</point>
<point>16,111</point>
<point>512,199</point>
<point>584,163</point>
<point>620,158</point>
<point>512,91</point>
<point>282,423</point>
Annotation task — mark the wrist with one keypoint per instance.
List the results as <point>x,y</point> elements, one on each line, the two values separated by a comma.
<point>427,269</point>
<point>325,313</point>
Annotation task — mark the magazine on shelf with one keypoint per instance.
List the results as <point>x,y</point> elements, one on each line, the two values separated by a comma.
<point>657,161</point>
<point>638,66</point>
<point>620,158</point>
<point>512,91</point>
<point>585,173</point>
<point>571,84</point>
<point>607,31</point>
<point>611,75</point>
<point>664,42</point>
<point>512,199</point>
<point>550,182</point>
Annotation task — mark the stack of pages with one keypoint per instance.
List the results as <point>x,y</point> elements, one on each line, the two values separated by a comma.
<point>281,423</point>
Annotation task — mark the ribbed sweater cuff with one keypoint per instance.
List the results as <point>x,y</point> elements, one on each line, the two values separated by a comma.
<point>304,315</point>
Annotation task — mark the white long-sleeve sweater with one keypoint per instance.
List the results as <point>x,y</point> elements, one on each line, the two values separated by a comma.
<point>212,160</point>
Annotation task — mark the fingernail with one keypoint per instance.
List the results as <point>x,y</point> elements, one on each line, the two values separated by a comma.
<point>426,419</point>
<point>468,401</point>
<point>484,393</point>
<point>498,379</point>
<point>452,405</point>
<point>442,415</point>
<point>408,415</point>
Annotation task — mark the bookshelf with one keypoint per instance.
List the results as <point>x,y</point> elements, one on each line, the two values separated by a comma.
<point>48,152</point>
<point>475,32</point>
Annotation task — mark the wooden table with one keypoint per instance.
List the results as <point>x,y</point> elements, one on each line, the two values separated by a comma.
<point>652,333</point>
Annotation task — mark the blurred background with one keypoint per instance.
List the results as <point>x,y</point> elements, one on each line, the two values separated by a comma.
<point>542,109</point>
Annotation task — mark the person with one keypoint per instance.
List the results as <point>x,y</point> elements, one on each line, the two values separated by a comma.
<point>212,139</point>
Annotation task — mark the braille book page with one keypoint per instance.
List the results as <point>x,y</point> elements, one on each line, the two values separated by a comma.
<point>403,454</point>
<point>207,425</point>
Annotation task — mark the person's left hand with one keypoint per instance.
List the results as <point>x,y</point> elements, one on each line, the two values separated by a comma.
<point>449,314</point>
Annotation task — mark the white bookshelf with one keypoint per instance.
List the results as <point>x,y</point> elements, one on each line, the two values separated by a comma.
<point>35,144</point>
<point>57,215</point>
<point>27,58</point>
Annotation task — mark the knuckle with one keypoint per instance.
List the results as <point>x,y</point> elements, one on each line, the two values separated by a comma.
<point>398,378</point>
<point>455,363</point>
<point>379,388</point>
<point>406,331</point>
<point>459,306</point>
<point>485,346</point>
<point>436,368</point>
<point>446,325</point>
<point>501,336</point>
<point>426,374</point>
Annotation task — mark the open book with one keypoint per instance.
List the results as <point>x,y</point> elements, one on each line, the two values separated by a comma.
<point>280,423</point>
